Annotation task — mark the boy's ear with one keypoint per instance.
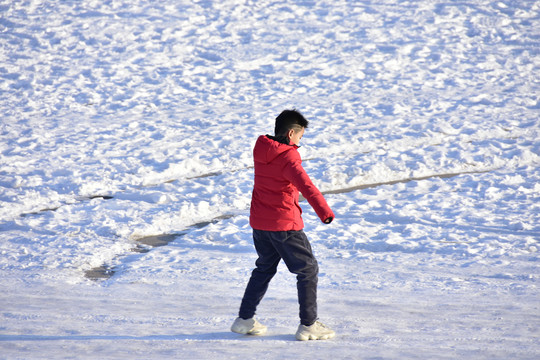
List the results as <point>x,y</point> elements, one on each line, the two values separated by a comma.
<point>290,134</point>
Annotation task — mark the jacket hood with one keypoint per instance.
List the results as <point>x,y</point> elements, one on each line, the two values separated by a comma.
<point>267,148</point>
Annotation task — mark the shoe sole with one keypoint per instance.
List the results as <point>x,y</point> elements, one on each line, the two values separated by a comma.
<point>301,337</point>
<point>250,332</point>
<point>257,333</point>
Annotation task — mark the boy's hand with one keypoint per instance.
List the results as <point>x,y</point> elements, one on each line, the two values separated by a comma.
<point>329,220</point>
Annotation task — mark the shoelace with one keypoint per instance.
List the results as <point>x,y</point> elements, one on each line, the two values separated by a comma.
<point>320,324</point>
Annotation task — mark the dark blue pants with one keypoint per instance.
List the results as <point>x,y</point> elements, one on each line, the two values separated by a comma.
<point>295,250</point>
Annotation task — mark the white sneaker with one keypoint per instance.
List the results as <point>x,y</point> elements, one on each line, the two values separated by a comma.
<point>317,331</point>
<point>249,326</point>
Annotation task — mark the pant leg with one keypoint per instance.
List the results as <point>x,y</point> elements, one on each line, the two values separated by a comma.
<point>266,268</point>
<point>297,254</point>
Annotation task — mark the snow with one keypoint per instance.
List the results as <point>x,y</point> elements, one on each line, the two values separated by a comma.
<point>125,176</point>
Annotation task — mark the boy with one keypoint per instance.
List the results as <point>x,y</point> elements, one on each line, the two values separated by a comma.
<point>275,217</point>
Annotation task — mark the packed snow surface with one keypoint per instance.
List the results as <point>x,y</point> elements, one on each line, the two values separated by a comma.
<point>126,131</point>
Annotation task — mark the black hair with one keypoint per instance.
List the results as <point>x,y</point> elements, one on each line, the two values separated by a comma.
<point>287,120</point>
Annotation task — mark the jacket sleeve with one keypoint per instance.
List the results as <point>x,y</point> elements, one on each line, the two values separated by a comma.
<point>295,173</point>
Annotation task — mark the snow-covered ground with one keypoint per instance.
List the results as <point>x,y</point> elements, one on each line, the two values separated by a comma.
<point>126,129</point>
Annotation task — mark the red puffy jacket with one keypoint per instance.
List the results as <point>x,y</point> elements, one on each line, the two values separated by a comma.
<point>279,176</point>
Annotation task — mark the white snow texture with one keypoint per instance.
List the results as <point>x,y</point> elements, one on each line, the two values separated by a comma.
<point>126,135</point>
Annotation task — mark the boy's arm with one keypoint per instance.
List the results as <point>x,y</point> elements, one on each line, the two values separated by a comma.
<point>295,173</point>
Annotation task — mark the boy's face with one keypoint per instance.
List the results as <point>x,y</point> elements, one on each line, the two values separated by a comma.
<point>295,137</point>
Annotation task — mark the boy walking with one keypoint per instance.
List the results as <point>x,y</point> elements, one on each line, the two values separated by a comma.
<point>275,217</point>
